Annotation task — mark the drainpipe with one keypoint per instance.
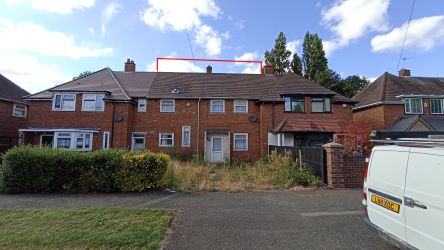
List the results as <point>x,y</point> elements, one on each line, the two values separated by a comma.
<point>112,125</point>
<point>198,125</point>
<point>272,115</point>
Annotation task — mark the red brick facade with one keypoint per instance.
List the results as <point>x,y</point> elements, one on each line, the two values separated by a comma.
<point>380,117</point>
<point>152,122</point>
<point>10,124</point>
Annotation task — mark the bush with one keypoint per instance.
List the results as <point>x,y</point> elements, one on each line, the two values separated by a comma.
<point>100,174</point>
<point>33,169</point>
<point>303,175</point>
<point>141,171</point>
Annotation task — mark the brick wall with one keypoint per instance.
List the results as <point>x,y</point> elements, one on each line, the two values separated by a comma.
<point>343,171</point>
<point>154,122</point>
<point>9,124</point>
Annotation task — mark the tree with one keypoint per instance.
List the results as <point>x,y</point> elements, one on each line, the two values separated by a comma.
<point>83,74</point>
<point>351,85</point>
<point>279,57</point>
<point>296,64</point>
<point>313,57</point>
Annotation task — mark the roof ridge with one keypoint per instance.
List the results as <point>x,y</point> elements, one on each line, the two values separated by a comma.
<point>118,83</point>
<point>95,72</point>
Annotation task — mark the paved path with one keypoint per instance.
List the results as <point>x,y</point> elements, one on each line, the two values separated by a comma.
<point>322,219</point>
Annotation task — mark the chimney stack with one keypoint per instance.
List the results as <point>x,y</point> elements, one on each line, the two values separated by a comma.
<point>209,69</point>
<point>130,66</point>
<point>404,72</point>
<point>269,69</point>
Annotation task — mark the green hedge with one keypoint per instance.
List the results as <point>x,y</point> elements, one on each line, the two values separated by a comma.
<point>142,171</point>
<point>32,169</point>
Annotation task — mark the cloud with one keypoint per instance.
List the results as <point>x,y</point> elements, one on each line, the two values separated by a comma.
<point>249,68</point>
<point>424,34</point>
<point>210,40</point>
<point>179,15</point>
<point>349,20</point>
<point>174,66</point>
<point>292,46</point>
<point>110,10</point>
<point>240,24</point>
<point>29,37</point>
<point>30,74</point>
<point>55,6</point>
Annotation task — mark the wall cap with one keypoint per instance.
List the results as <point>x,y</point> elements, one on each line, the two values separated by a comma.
<point>333,145</point>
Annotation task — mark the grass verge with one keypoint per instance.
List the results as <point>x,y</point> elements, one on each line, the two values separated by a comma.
<point>101,228</point>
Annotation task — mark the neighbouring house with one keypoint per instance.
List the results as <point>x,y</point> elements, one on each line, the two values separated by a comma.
<point>13,112</point>
<point>220,116</point>
<point>402,106</point>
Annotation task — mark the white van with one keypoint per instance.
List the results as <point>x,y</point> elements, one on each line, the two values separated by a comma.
<point>404,194</point>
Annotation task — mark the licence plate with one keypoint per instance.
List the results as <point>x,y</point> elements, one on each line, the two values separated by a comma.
<point>390,205</point>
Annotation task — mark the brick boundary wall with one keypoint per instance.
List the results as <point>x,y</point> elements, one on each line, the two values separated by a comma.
<point>343,171</point>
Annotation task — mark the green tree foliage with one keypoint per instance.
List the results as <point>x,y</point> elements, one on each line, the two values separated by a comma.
<point>351,85</point>
<point>296,64</point>
<point>279,56</point>
<point>313,57</point>
<point>83,74</point>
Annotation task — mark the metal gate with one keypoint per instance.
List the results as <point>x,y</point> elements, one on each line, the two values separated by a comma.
<point>312,156</point>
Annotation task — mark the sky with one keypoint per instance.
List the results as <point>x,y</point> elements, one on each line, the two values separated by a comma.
<point>47,42</point>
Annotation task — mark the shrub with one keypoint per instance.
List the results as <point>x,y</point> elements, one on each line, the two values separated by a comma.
<point>355,137</point>
<point>40,169</point>
<point>142,171</point>
<point>303,175</point>
<point>100,174</point>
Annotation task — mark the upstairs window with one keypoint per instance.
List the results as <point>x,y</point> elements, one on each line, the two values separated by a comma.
<point>217,106</point>
<point>93,102</point>
<point>241,106</point>
<point>166,139</point>
<point>413,105</point>
<point>436,106</point>
<point>295,104</point>
<point>19,110</point>
<point>320,105</point>
<point>167,106</point>
<point>141,105</point>
<point>64,102</point>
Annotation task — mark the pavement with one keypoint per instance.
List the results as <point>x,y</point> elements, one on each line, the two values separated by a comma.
<point>317,219</point>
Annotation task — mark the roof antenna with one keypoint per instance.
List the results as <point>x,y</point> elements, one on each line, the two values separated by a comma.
<point>189,43</point>
<point>405,36</point>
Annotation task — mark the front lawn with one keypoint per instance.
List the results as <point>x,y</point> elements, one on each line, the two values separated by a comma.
<point>83,228</point>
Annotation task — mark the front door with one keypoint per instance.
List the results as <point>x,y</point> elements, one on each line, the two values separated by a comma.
<point>217,153</point>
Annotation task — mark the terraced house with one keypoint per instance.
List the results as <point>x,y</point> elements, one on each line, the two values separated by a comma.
<point>220,116</point>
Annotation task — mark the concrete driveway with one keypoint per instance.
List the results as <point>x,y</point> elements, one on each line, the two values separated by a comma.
<point>321,219</point>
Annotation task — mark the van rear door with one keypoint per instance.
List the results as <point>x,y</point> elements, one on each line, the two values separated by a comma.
<point>424,198</point>
<point>385,188</point>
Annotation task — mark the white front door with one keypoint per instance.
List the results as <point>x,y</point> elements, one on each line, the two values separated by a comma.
<point>217,153</point>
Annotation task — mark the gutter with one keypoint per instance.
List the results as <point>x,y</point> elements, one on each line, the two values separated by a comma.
<point>198,125</point>
<point>112,125</point>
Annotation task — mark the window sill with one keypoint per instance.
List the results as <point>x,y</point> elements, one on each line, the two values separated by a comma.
<point>240,150</point>
<point>160,146</point>
<point>216,113</point>
<point>63,110</point>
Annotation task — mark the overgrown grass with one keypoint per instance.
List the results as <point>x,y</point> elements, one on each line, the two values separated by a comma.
<point>84,228</point>
<point>273,172</point>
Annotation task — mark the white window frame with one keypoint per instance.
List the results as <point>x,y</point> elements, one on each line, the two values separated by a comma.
<point>442,106</point>
<point>17,107</point>
<point>141,105</point>
<point>234,141</point>
<point>84,98</point>
<point>184,143</point>
<point>223,106</point>
<point>408,101</point>
<point>73,140</point>
<point>61,102</point>
<point>160,140</point>
<point>106,140</point>
<point>236,104</point>
<point>169,100</point>
<point>137,135</point>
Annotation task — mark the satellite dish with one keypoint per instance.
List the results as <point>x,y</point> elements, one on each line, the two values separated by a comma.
<point>118,118</point>
<point>252,118</point>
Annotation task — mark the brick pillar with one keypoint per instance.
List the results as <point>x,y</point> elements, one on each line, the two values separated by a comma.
<point>335,165</point>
